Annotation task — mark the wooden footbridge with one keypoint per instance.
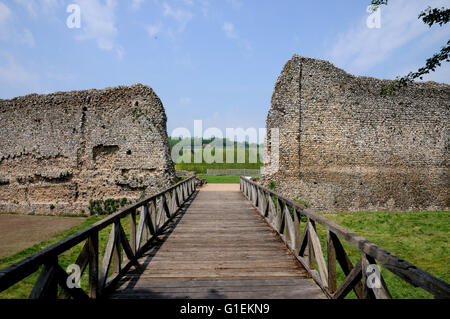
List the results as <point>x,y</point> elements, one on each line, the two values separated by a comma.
<point>247,242</point>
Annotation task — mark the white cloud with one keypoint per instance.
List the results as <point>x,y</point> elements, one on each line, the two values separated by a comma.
<point>177,15</point>
<point>360,48</point>
<point>204,7</point>
<point>34,7</point>
<point>5,14</point>
<point>183,17</point>
<point>10,32</point>
<point>229,30</point>
<point>14,75</point>
<point>5,20</point>
<point>236,4</point>
<point>29,5</point>
<point>98,22</point>
<point>120,51</point>
<point>231,33</point>
<point>154,29</point>
<point>27,38</point>
<point>136,4</point>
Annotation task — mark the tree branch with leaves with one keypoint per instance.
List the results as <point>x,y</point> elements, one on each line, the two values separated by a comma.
<point>430,16</point>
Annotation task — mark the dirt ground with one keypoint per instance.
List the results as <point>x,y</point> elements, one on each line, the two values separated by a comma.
<point>220,187</point>
<point>18,232</point>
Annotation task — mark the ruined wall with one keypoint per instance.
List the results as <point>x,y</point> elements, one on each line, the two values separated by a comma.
<point>58,151</point>
<point>344,147</point>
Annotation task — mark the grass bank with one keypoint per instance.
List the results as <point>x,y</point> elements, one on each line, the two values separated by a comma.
<point>421,238</point>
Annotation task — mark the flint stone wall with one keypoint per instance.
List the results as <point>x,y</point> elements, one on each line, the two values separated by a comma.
<point>59,151</point>
<point>344,147</point>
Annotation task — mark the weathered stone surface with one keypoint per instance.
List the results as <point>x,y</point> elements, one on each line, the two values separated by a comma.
<point>61,150</point>
<point>344,147</point>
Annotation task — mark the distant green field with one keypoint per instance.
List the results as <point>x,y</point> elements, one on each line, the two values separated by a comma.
<point>221,179</point>
<point>251,158</point>
<point>201,168</point>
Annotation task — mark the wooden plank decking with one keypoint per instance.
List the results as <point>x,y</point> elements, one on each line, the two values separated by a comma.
<point>219,247</point>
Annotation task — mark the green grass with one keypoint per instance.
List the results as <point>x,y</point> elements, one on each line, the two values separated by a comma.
<point>222,179</point>
<point>201,168</point>
<point>188,164</point>
<point>237,149</point>
<point>23,288</point>
<point>420,238</point>
<point>302,202</point>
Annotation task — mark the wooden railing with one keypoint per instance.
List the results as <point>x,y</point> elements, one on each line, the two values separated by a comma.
<point>155,213</point>
<point>285,216</point>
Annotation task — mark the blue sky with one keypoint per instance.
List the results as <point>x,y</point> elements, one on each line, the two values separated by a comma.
<point>212,60</point>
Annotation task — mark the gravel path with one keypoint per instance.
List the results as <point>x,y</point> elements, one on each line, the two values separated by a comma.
<point>220,187</point>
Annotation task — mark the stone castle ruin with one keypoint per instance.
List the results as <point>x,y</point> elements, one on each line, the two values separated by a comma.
<point>60,151</point>
<point>345,147</point>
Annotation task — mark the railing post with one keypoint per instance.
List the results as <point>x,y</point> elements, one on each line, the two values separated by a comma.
<point>380,292</point>
<point>46,287</point>
<point>260,206</point>
<point>271,210</point>
<point>180,195</point>
<point>366,291</point>
<point>117,252</point>
<point>311,259</point>
<point>264,204</point>
<point>169,201</point>
<point>93,265</point>
<point>175,202</point>
<point>276,222</point>
<point>133,231</point>
<point>141,229</point>
<point>331,263</point>
<point>247,190</point>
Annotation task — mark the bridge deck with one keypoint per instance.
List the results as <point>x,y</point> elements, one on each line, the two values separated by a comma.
<point>219,248</point>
